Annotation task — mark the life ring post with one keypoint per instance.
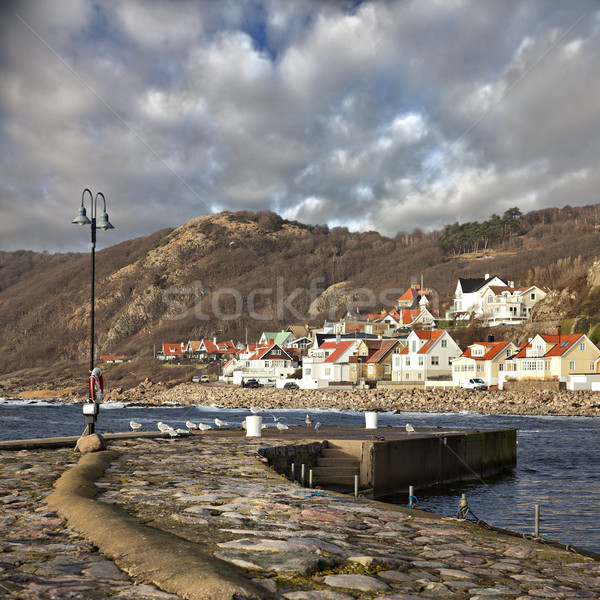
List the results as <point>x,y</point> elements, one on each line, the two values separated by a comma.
<point>91,408</point>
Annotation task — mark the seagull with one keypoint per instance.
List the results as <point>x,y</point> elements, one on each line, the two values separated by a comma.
<point>318,426</point>
<point>275,418</point>
<point>255,410</point>
<point>181,431</point>
<point>204,426</point>
<point>282,426</point>
<point>163,427</point>
<point>410,428</point>
<point>220,423</point>
<point>308,420</point>
<point>191,425</point>
<point>172,432</point>
<point>136,426</point>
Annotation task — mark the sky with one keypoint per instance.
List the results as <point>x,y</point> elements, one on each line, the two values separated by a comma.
<point>389,115</point>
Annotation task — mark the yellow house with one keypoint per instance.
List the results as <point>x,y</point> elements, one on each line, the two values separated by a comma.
<point>486,360</point>
<point>555,357</point>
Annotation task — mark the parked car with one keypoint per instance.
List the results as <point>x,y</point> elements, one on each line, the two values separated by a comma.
<point>250,383</point>
<point>204,379</point>
<point>195,379</point>
<point>472,383</point>
<point>291,385</point>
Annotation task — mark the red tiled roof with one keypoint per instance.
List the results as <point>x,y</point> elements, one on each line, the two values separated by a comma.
<point>561,344</point>
<point>431,337</point>
<point>493,349</point>
<point>339,349</point>
<point>173,349</point>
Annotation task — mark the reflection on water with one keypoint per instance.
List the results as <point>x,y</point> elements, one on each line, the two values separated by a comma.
<point>557,459</point>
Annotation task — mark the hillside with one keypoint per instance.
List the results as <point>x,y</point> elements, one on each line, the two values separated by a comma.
<point>233,274</point>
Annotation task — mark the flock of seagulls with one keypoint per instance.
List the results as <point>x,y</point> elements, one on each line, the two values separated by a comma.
<point>164,428</point>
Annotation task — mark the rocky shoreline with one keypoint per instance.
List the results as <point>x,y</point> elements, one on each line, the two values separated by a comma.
<point>416,400</point>
<point>501,402</point>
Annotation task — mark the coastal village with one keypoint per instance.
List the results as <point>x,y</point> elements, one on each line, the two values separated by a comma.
<point>403,347</point>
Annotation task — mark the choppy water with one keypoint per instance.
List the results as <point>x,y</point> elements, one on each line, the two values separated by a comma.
<point>558,464</point>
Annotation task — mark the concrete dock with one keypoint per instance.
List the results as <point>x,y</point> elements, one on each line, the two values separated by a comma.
<point>205,517</point>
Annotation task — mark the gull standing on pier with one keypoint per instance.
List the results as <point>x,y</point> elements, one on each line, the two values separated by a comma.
<point>308,420</point>
<point>136,426</point>
<point>220,423</point>
<point>410,428</point>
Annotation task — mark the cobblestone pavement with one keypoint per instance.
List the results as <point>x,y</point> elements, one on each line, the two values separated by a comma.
<point>297,544</point>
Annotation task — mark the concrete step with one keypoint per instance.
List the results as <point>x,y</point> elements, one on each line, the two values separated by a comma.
<point>338,461</point>
<point>335,452</point>
<point>331,472</point>
<point>337,482</point>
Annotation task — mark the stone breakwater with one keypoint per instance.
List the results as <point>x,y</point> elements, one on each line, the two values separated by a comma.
<point>289,541</point>
<point>534,402</point>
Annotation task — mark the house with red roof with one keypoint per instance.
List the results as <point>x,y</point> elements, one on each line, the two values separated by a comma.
<point>426,355</point>
<point>264,362</point>
<point>556,356</point>
<point>329,363</point>
<point>487,360</point>
<point>172,352</point>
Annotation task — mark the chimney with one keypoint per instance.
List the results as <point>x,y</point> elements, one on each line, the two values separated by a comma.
<point>558,332</point>
<point>487,275</point>
<point>490,338</point>
<point>338,338</point>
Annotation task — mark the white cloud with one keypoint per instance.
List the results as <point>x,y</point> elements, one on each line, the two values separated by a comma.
<point>383,115</point>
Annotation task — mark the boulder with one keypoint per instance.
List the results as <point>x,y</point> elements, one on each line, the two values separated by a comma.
<point>91,443</point>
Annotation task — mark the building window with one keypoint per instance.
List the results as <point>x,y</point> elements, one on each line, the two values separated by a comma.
<point>387,369</point>
<point>406,376</point>
<point>407,361</point>
<point>328,371</point>
<point>371,368</point>
<point>307,371</point>
<point>420,361</point>
<point>571,365</point>
<point>414,346</point>
<point>418,375</point>
<point>582,346</point>
<point>444,343</point>
<point>501,367</point>
<point>592,366</point>
<point>435,361</point>
<point>352,368</point>
<point>490,299</point>
<point>532,295</point>
<point>276,351</point>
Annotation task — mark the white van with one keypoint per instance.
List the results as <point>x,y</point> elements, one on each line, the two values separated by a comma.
<point>472,383</point>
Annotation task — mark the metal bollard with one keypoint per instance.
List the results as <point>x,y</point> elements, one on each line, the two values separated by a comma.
<point>355,486</point>
<point>302,468</point>
<point>536,530</point>
<point>292,473</point>
<point>310,478</point>
<point>411,495</point>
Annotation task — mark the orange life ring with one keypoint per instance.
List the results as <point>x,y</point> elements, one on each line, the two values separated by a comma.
<point>96,385</point>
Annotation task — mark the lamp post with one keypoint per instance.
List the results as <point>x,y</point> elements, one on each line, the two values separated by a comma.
<point>91,409</point>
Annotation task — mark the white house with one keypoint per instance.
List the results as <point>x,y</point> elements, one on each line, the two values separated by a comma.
<point>427,355</point>
<point>494,300</point>
<point>327,364</point>
<point>509,305</point>
<point>266,363</point>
